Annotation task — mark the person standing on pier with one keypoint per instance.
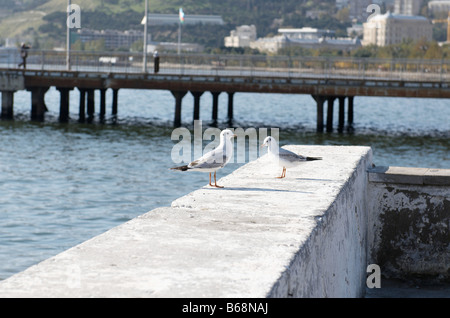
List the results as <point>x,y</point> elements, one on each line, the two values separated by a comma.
<point>24,54</point>
<point>156,62</point>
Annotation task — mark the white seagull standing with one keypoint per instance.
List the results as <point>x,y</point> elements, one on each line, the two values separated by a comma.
<point>214,159</point>
<point>283,157</point>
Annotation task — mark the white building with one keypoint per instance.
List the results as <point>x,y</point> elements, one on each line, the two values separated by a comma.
<point>439,6</point>
<point>355,30</point>
<point>345,44</point>
<point>173,46</point>
<point>305,33</point>
<point>386,29</point>
<point>241,36</point>
<point>407,7</point>
<point>308,38</point>
<point>269,44</point>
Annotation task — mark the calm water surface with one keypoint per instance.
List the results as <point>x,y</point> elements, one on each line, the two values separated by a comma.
<point>61,184</point>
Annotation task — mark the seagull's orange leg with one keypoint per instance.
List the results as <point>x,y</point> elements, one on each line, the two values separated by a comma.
<point>215,182</point>
<point>210,179</point>
<point>283,174</point>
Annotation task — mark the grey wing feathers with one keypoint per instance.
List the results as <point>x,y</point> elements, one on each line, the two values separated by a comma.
<point>211,160</point>
<point>289,155</point>
<point>207,165</point>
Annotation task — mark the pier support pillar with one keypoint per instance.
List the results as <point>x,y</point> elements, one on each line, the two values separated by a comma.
<point>7,104</point>
<point>197,96</point>
<point>350,114</point>
<point>330,101</point>
<point>38,107</point>
<point>82,112</point>
<point>230,106</point>
<point>341,113</point>
<point>319,100</point>
<point>115,101</point>
<point>215,108</point>
<point>102,104</point>
<point>178,99</point>
<point>90,105</point>
<point>64,104</point>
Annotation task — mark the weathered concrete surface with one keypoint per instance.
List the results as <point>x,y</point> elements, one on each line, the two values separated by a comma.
<point>410,223</point>
<point>12,81</point>
<point>260,236</point>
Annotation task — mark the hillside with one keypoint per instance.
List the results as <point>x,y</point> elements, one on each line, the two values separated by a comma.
<point>43,21</point>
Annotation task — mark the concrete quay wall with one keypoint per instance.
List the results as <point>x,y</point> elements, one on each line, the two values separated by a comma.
<point>409,223</point>
<point>333,260</point>
<point>302,236</point>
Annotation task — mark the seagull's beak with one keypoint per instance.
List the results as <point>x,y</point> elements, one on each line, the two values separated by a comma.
<point>234,135</point>
<point>262,145</point>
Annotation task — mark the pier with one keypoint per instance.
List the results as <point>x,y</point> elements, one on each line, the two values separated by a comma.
<point>327,80</point>
<point>312,234</point>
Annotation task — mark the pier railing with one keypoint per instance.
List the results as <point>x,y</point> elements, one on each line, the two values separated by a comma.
<point>422,70</point>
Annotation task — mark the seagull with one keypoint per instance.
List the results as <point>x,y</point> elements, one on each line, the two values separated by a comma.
<point>283,157</point>
<point>214,159</point>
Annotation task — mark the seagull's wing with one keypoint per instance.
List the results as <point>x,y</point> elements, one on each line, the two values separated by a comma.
<point>290,156</point>
<point>215,159</point>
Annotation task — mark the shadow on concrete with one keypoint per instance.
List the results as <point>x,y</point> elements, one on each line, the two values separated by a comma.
<point>256,189</point>
<point>310,179</point>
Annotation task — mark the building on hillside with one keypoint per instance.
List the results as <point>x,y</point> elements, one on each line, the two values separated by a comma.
<point>343,44</point>
<point>358,9</point>
<point>407,7</point>
<point>269,44</point>
<point>305,33</point>
<point>113,39</point>
<point>308,38</point>
<point>355,30</point>
<point>173,46</point>
<point>439,6</point>
<point>164,19</point>
<point>315,14</point>
<point>386,29</point>
<point>241,36</point>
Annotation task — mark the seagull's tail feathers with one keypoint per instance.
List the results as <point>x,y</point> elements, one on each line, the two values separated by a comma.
<point>181,168</point>
<point>313,158</point>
